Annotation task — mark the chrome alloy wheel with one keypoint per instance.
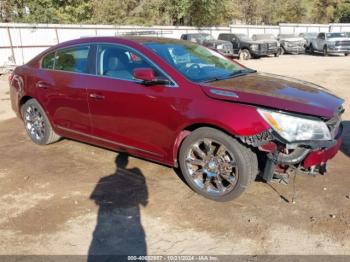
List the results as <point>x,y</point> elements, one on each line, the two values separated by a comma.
<point>212,167</point>
<point>34,122</point>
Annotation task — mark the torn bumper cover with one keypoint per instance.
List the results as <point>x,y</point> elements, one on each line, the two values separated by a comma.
<point>310,156</point>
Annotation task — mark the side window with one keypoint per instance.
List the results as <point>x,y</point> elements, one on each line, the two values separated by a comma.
<point>74,59</point>
<point>119,62</point>
<point>48,61</point>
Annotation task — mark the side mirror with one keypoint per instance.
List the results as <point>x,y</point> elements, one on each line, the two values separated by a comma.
<point>146,75</point>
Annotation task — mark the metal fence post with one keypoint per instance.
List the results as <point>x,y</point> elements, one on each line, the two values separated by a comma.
<point>12,50</point>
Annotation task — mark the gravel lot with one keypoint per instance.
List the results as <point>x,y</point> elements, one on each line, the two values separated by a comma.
<point>73,198</point>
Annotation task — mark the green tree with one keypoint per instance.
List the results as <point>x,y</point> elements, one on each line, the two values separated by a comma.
<point>342,12</point>
<point>323,10</point>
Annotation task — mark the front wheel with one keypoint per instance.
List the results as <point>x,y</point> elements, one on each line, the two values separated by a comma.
<point>37,124</point>
<point>312,50</point>
<point>346,54</point>
<point>282,51</point>
<point>216,165</point>
<point>244,54</point>
<point>325,51</point>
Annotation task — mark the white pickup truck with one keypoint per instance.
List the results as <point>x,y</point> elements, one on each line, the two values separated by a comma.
<point>330,43</point>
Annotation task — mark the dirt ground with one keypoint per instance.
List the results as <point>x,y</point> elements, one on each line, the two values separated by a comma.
<point>73,198</point>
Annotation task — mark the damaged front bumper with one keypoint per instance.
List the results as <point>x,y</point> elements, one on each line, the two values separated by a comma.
<point>309,157</point>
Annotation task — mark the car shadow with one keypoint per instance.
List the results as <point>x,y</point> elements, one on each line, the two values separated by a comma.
<point>345,147</point>
<point>118,229</point>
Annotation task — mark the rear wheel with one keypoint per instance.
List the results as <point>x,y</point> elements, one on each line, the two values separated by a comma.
<point>37,124</point>
<point>244,54</point>
<point>346,54</point>
<point>216,165</point>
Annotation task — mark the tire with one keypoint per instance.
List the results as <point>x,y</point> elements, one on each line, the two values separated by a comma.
<point>346,54</point>
<point>279,51</point>
<point>325,51</point>
<point>37,124</point>
<point>244,54</point>
<point>202,172</point>
<point>282,51</point>
<point>312,50</point>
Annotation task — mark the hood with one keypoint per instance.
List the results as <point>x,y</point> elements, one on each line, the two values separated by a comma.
<point>293,39</point>
<point>338,39</point>
<point>266,41</point>
<point>278,92</point>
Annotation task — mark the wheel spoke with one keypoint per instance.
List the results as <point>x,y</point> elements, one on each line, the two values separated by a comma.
<point>196,162</point>
<point>221,151</point>
<point>198,173</point>
<point>199,152</point>
<point>207,183</point>
<point>208,147</point>
<point>229,178</point>
<point>219,184</point>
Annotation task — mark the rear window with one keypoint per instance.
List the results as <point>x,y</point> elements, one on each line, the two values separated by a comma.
<point>74,59</point>
<point>48,61</point>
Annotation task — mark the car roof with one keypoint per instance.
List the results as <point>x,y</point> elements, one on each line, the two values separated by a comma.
<point>194,34</point>
<point>118,39</point>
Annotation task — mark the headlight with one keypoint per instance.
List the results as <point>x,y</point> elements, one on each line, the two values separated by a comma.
<point>220,47</point>
<point>293,128</point>
<point>254,47</point>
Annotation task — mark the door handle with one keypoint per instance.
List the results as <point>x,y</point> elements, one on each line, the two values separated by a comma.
<point>96,96</point>
<point>42,84</point>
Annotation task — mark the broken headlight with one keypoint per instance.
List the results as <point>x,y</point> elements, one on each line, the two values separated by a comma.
<point>294,128</point>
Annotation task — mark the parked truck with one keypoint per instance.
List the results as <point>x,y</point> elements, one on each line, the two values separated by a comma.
<point>330,43</point>
<point>244,47</point>
<point>207,40</point>
<point>273,46</point>
<point>291,44</point>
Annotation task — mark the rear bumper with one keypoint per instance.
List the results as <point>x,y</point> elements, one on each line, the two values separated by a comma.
<point>321,156</point>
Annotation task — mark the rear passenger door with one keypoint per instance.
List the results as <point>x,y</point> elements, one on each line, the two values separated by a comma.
<point>61,88</point>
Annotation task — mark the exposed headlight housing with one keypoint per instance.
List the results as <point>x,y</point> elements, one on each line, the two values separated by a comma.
<point>220,46</point>
<point>294,128</point>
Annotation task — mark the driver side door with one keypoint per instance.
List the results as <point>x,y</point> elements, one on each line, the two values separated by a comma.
<point>125,113</point>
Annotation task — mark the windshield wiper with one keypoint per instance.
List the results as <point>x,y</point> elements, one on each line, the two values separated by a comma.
<point>231,75</point>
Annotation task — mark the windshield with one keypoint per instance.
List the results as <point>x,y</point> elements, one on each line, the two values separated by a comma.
<point>309,35</point>
<point>203,37</point>
<point>335,35</point>
<point>244,37</point>
<point>195,62</point>
<point>263,37</point>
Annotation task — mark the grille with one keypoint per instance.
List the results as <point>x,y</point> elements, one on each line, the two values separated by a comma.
<point>296,44</point>
<point>272,46</point>
<point>227,49</point>
<point>342,43</point>
<point>263,47</point>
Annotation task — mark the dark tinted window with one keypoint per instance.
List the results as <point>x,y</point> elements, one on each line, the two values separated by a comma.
<point>48,61</point>
<point>74,59</point>
<point>119,62</point>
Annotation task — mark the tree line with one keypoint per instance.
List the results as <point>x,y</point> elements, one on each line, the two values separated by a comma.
<point>175,12</point>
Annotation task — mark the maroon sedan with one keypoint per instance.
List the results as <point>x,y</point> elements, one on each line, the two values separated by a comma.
<point>179,104</point>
